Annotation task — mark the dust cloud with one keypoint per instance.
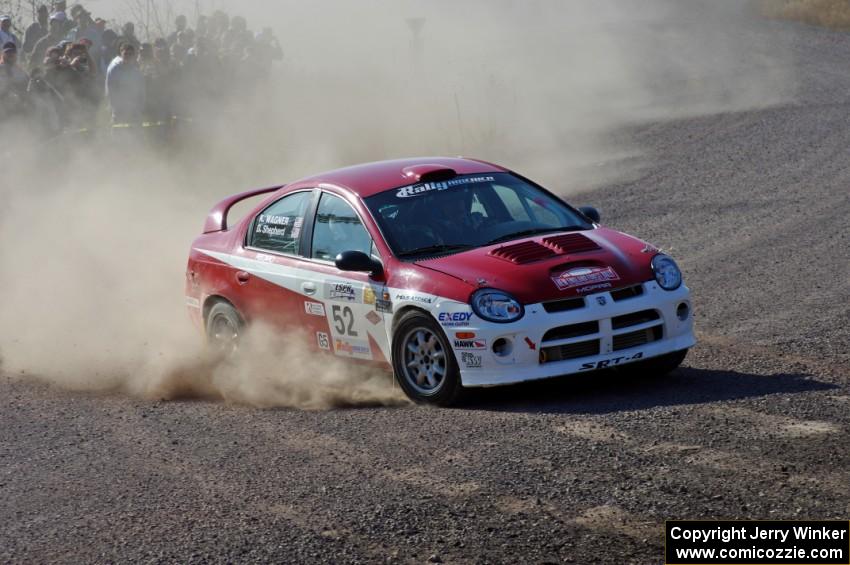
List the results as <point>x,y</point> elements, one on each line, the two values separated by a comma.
<point>95,230</point>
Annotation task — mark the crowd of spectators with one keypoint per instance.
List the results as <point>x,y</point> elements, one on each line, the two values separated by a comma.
<point>70,66</point>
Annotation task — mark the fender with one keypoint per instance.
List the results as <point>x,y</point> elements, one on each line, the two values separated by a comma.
<point>217,218</point>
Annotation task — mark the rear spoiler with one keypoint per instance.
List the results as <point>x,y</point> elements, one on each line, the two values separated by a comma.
<point>217,218</point>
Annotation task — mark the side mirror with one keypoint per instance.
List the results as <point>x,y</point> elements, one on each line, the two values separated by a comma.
<point>359,262</point>
<point>590,212</point>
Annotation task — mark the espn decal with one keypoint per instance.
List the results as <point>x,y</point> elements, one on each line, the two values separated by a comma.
<point>584,277</point>
<point>745,542</point>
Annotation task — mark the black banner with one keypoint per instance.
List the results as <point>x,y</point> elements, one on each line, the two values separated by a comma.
<point>753,542</point>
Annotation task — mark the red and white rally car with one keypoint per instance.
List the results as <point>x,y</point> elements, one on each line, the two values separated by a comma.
<point>453,272</point>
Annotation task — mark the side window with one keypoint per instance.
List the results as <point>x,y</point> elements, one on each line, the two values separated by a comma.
<point>338,229</point>
<point>278,227</point>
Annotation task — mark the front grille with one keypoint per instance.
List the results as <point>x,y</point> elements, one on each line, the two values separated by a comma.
<point>563,305</point>
<point>634,319</point>
<point>572,330</point>
<point>626,293</point>
<point>570,351</point>
<point>635,339</point>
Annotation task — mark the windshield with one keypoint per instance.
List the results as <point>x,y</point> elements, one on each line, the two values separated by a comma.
<point>468,211</point>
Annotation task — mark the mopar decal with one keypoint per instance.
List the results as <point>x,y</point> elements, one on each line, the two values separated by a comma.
<point>610,362</point>
<point>419,189</point>
<point>454,319</point>
<point>580,276</point>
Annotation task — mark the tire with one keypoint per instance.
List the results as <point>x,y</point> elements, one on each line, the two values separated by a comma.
<point>424,363</point>
<point>225,329</point>
<point>657,366</point>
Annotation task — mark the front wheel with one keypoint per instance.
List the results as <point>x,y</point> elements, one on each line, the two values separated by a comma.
<point>424,363</point>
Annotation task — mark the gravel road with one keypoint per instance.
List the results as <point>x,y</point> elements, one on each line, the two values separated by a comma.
<point>756,207</point>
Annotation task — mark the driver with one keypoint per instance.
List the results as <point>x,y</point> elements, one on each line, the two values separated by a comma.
<point>454,222</point>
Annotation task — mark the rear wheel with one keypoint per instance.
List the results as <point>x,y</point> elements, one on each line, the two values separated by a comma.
<point>660,366</point>
<point>424,363</point>
<point>224,329</point>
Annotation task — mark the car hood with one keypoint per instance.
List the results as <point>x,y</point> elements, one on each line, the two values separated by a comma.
<point>558,265</point>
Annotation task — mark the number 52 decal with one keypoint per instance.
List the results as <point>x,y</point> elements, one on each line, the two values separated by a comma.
<point>343,320</point>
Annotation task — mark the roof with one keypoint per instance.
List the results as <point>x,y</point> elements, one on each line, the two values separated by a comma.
<point>371,178</point>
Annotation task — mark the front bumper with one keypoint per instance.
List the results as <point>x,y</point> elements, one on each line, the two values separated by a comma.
<point>607,331</point>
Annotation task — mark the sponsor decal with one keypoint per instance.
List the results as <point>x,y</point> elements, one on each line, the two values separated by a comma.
<point>274,220</point>
<point>601,300</point>
<point>368,295</point>
<point>470,360</point>
<point>581,276</point>
<point>420,189</point>
<point>264,258</point>
<point>349,348</point>
<point>343,291</point>
<point>296,228</point>
<point>323,340</point>
<point>454,319</point>
<point>373,317</point>
<point>531,345</point>
<point>384,306</point>
<point>413,298</point>
<point>470,344</point>
<point>193,302</point>
<point>611,362</point>
<point>315,308</point>
<point>593,287</point>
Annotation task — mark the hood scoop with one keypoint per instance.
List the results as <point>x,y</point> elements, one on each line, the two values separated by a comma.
<point>521,253</point>
<point>531,251</point>
<point>570,243</point>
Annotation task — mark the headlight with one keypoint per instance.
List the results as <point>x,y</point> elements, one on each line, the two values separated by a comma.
<point>496,306</point>
<point>667,272</point>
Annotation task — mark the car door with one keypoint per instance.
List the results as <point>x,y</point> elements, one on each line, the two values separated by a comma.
<point>354,325</point>
<point>272,258</point>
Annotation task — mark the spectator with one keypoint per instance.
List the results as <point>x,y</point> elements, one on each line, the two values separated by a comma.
<point>108,49</point>
<point>6,35</point>
<point>46,102</point>
<point>185,40</point>
<point>128,35</point>
<point>14,101</point>
<point>55,34</point>
<point>237,38</point>
<point>180,25</point>
<point>125,86</point>
<point>86,29</point>
<point>35,31</point>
